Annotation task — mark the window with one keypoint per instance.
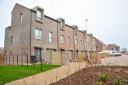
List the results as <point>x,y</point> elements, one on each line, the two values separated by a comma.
<point>81,42</point>
<point>76,41</point>
<point>50,36</point>
<point>38,33</point>
<point>21,18</point>
<point>62,38</point>
<point>39,14</point>
<point>62,24</point>
<point>11,39</point>
<point>75,29</point>
<point>68,40</point>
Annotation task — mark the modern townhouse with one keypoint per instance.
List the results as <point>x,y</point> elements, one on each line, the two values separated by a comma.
<point>34,33</point>
<point>100,46</point>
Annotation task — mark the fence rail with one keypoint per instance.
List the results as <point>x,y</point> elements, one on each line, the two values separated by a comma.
<point>27,59</point>
<point>19,60</point>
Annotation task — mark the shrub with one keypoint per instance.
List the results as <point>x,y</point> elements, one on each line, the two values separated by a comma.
<point>126,81</point>
<point>99,83</point>
<point>1,82</point>
<point>116,82</point>
<point>103,77</point>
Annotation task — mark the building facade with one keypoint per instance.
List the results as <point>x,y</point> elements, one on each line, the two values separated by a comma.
<point>1,50</point>
<point>33,33</point>
<point>113,47</point>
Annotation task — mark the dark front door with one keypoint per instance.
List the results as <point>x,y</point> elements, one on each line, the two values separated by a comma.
<point>38,54</point>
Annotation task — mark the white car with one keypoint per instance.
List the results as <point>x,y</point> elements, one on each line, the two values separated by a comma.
<point>116,53</point>
<point>119,53</point>
<point>113,53</point>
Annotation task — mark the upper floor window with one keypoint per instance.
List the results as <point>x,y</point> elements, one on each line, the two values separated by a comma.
<point>39,14</point>
<point>75,29</point>
<point>68,40</point>
<point>21,17</point>
<point>11,39</point>
<point>38,33</point>
<point>62,23</point>
<point>81,42</point>
<point>50,36</point>
<point>76,41</point>
<point>62,38</point>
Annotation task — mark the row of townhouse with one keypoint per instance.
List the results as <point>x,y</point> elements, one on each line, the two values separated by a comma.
<point>33,33</point>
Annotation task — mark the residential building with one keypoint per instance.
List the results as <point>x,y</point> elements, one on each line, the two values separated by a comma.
<point>100,46</point>
<point>34,33</point>
<point>1,50</point>
<point>113,47</point>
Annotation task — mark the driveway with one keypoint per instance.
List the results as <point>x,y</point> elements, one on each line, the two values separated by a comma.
<point>116,60</point>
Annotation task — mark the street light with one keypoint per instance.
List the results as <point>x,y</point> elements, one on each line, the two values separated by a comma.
<point>86,40</point>
<point>86,20</point>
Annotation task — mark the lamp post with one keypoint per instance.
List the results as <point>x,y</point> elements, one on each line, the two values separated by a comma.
<point>86,20</point>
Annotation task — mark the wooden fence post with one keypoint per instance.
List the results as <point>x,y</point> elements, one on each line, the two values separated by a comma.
<point>17,59</point>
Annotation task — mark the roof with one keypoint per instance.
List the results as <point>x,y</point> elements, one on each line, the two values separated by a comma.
<point>46,16</point>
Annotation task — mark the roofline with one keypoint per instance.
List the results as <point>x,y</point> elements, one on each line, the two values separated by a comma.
<point>46,16</point>
<point>51,18</point>
<point>7,27</point>
<point>21,6</point>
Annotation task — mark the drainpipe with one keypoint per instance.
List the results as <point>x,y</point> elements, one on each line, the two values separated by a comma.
<point>57,37</point>
<point>84,37</point>
<point>30,31</point>
<point>91,46</point>
<point>74,44</point>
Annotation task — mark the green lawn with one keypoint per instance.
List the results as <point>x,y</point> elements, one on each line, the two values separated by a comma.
<point>11,73</point>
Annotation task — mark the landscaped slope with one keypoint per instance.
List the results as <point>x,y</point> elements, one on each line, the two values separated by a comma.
<point>98,75</point>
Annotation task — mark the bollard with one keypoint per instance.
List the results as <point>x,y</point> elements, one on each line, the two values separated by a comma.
<point>27,60</point>
<point>21,60</point>
<point>6,59</point>
<point>41,62</point>
<point>13,59</point>
<point>17,59</point>
<point>9,59</point>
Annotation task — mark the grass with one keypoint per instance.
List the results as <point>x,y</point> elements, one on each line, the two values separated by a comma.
<point>10,72</point>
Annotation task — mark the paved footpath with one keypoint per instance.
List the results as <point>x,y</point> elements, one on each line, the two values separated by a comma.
<point>116,60</point>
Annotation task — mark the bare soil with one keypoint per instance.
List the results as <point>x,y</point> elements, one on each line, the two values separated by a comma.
<point>91,75</point>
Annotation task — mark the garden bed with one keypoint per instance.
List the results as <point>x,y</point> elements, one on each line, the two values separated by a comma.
<point>97,75</point>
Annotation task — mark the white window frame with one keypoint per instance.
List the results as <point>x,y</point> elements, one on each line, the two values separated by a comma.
<point>62,24</point>
<point>50,36</point>
<point>39,14</point>
<point>62,39</point>
<point>37,33</point>
<point>81,42</point>
<point>21,17</point>
<point>76,41</point>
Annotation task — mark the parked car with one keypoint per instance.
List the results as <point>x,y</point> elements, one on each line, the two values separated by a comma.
<point>117,53</point>
<point>113,53</point>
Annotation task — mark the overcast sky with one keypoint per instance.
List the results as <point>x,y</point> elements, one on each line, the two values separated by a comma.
<point>107,19</point>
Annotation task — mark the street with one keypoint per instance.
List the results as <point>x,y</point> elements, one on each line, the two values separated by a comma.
<point>116,60</point>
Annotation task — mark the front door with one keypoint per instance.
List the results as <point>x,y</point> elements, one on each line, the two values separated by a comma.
<point>38,54</point>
